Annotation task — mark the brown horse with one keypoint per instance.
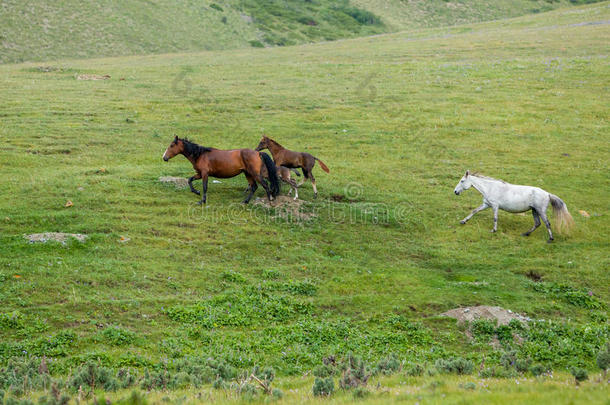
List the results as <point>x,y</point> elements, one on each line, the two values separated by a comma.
<point>292,159</point>
<point>284,174</point>
<point>224,164</point>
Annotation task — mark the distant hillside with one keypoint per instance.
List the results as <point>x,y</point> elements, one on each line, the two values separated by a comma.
<point>38,30</point>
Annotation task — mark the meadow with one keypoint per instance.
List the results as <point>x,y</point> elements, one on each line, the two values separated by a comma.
<point>178,299</point>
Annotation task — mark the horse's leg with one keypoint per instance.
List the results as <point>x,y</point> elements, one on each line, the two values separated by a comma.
<point>547,224</point>
<point>293,186</point>
<point>313,183</point>
<point>204,180</point>
<point>536,223</point>
<point>479,208</point>
<point>266,187</point>
<point>495,228</point>
<point>195,177</point>
<point>252,187</point>
<point>304,179</point>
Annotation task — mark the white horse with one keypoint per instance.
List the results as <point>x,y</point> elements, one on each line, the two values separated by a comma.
<point>513,198</point>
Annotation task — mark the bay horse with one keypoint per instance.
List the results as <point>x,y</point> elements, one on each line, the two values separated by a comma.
<point>498,194</point>
<point>224,164</point>
<point>284,175</point>
<point>291,159</point>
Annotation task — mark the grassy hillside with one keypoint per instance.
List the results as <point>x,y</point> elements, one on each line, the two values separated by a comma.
<point>38,30</point>
<point>163,284</point>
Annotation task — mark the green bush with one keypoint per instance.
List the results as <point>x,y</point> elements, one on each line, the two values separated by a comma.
<point>116,336</point>
<point>580,374</point>
<point>355,373</point>
<point>603,359</point>
<point>415,370</point>
<point>455,365</point>
<point>388,365</point>
<point>323,386</point>
<point>537,369</point>
<point>92,376</point>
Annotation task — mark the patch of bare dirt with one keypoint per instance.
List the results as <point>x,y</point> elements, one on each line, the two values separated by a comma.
<point>499,314</point>
<point>178,182</point>
<point>92,77</point>
<point>286,207</point>
<point>55,236</point>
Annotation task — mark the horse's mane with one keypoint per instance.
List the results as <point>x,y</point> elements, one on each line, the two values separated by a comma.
<point>194,150</point>
<point>486,177</point>
<point>275,142</point>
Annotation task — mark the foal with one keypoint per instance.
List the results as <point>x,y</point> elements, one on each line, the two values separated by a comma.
<point>292,159</point>
<point>513,198</point>
<point>224,164</point>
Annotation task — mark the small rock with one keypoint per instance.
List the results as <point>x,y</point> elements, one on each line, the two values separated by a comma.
<point>68,204</point>
<point>54,236</point>
<point>584,213</point>
<point>216,181</point>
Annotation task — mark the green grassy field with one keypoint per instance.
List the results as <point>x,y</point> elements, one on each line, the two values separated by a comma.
<point>42,31</point>
<point>162,282</point>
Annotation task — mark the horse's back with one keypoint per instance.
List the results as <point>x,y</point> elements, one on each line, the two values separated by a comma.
<point>519,198</point>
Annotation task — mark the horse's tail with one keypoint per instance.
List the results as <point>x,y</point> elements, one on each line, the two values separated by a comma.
<point>322,165</point>
<point>296,172</point>
<point>565,222</point>
<point>272,172</point>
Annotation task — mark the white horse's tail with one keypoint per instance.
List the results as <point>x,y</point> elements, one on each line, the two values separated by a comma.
<point>565,222</point>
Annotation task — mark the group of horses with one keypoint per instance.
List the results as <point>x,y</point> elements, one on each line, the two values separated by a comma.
<point>259,168</point>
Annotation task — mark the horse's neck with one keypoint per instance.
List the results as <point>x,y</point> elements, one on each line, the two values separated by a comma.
<point>481,185</point>
<point>191,159</point>
<point>274,148</point>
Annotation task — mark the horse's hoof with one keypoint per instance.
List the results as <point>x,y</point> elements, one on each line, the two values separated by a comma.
<point>462,222</point>
<point>549,241</point>
<point>493,231</point>
<point>525,234</point>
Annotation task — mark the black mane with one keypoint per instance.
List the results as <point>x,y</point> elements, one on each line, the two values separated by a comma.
<point>194,150</point>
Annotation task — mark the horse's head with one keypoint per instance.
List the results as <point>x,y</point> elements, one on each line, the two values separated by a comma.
<point>263,144</point>
<point>464,184</point>
<point>174,148</point>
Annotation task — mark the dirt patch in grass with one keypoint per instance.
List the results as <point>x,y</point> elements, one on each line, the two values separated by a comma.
<point>54,236</point>
<point>92,77</point>
<point>499,314</point>
<point>286,207</point>
<point>178,182</point>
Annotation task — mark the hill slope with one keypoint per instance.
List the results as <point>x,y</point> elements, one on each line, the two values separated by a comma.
<point>367,267</point>
<point>40,30</point>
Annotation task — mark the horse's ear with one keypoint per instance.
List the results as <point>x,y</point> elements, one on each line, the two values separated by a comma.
<point>175,138</point>
<point>467,173</point>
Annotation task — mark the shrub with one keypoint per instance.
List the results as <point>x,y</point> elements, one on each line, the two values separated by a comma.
<point>360,392</point>
<point>603,359</point>
<point>92,376</point>
<point>216,7</point>
<point>233,277</point>
<point>580,374</point>
<point>537,370</point>
<point>415,370</point>
<point>255,43</point>
<point>355,373</point>
<point>455,365</point>
<point>323,371</point>
<point>388,365</point>
<point>323,386</point>
<point>116,336</point>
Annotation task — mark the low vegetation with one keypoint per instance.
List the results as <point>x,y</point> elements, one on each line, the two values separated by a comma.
<point>226,302</point>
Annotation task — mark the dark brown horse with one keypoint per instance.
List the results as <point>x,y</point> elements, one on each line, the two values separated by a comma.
<point>291,159</point>
<point>224,164</point>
